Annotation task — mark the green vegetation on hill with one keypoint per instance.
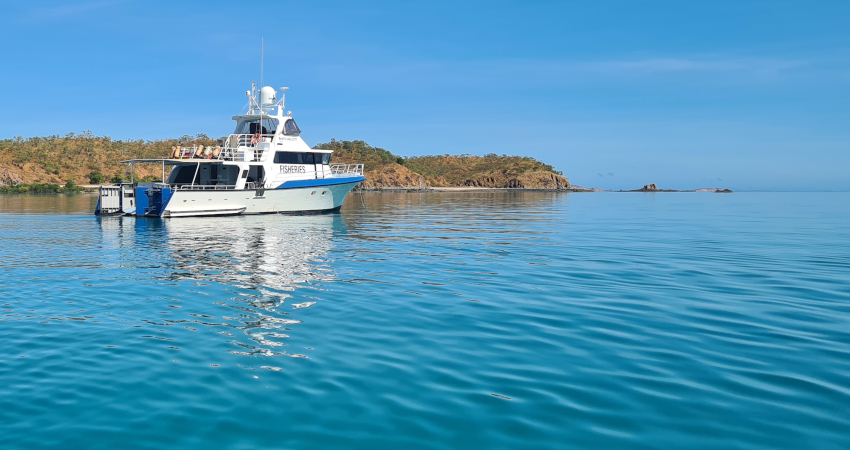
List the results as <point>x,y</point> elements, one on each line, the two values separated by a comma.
<point>360,152</point>
<point>50,161</point>
<point>41,188</point>
<point>490,170</point>
<point>73,157</point>
<point>384,169</point>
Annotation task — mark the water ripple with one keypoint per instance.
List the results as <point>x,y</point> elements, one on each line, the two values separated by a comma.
<point>498,320</point>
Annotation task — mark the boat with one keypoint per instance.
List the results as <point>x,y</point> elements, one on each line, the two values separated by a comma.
<point>263,167</point>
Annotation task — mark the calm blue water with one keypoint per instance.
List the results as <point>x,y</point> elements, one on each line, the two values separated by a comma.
<point>476,320</point>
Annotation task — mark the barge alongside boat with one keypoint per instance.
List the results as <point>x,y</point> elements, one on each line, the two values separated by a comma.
<point>263,167</point>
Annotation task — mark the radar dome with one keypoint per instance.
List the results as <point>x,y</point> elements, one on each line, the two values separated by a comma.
<point>267,96</point>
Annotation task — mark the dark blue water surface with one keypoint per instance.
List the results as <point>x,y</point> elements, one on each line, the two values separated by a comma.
<point>505,320</point>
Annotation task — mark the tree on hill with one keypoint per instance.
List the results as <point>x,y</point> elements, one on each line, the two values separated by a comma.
<point>96,178</point>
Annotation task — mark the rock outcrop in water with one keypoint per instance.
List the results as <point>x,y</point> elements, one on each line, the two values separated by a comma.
<point>652,187</point>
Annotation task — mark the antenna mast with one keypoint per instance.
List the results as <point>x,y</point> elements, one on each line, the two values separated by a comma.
<point>261,63</point>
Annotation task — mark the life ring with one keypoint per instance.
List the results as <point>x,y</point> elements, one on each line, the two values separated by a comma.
<point>255,139</point>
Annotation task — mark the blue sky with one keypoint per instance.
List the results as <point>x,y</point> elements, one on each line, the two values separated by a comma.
<point>745,95</point>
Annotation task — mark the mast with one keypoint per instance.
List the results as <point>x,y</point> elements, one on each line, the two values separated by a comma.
<point>261,63</point>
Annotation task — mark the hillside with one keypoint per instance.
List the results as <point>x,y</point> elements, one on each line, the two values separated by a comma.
<point>81,158</point>
<point>59,159</point>
<point>384,169</point>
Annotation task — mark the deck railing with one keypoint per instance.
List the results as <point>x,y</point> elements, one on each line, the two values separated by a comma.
<point>347,170</point>
<point>194,187</point>
<point>201,187</point>
<point>236,147</point>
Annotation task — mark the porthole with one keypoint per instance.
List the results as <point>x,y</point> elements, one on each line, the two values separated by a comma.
<point>323,192</point>
<point>313,193</point>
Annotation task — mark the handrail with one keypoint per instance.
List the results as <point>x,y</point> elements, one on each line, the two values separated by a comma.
<point>199,187</point>
<point>195,187</point>
<point>346,170</point>
<point>236,146</point>
<point>233,148</point>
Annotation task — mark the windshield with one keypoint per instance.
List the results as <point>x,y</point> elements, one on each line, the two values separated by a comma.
<point>290,128</point>
<point>269,126</point>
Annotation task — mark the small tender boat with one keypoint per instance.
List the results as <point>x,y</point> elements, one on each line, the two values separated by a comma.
<point>263,167</point>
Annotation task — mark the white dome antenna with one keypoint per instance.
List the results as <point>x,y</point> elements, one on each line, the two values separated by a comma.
<point>267,96</point>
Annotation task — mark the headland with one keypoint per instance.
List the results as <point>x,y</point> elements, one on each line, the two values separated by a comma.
<point>70,163</point>
<point>86,159</point>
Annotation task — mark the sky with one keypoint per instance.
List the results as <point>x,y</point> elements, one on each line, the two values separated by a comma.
<point>747,95</point>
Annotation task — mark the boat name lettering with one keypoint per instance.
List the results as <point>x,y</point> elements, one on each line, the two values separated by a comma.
<point>292,169</point>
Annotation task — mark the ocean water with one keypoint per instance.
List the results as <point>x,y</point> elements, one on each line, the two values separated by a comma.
<point>509,320</point>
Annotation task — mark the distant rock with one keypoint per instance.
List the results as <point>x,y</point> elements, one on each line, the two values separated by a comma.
<point>652,187</point>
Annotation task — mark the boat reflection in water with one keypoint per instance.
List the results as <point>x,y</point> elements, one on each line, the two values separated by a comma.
<point>255,263</point>
<point>265,258</point>
<point>268,253</point>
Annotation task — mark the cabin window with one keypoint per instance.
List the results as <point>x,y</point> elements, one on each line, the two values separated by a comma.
<point>301,158</point>
<point>245,173</point>
<point>270,125</point>
<point>285,158</point>
<point>305,158</point>
<point>290,128</point>
<point>182,175</point>
<point>256,174</point>
<point>245,127</point>
<point>267,126</point>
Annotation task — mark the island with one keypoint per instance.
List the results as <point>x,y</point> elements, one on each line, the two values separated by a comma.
<point>71,162</point>
<point>48,164</point>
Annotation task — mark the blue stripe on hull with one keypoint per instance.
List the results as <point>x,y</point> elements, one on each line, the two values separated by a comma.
<point>319,183</point>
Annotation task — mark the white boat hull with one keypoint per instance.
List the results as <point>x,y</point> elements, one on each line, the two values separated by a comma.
<point>185,203</point>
